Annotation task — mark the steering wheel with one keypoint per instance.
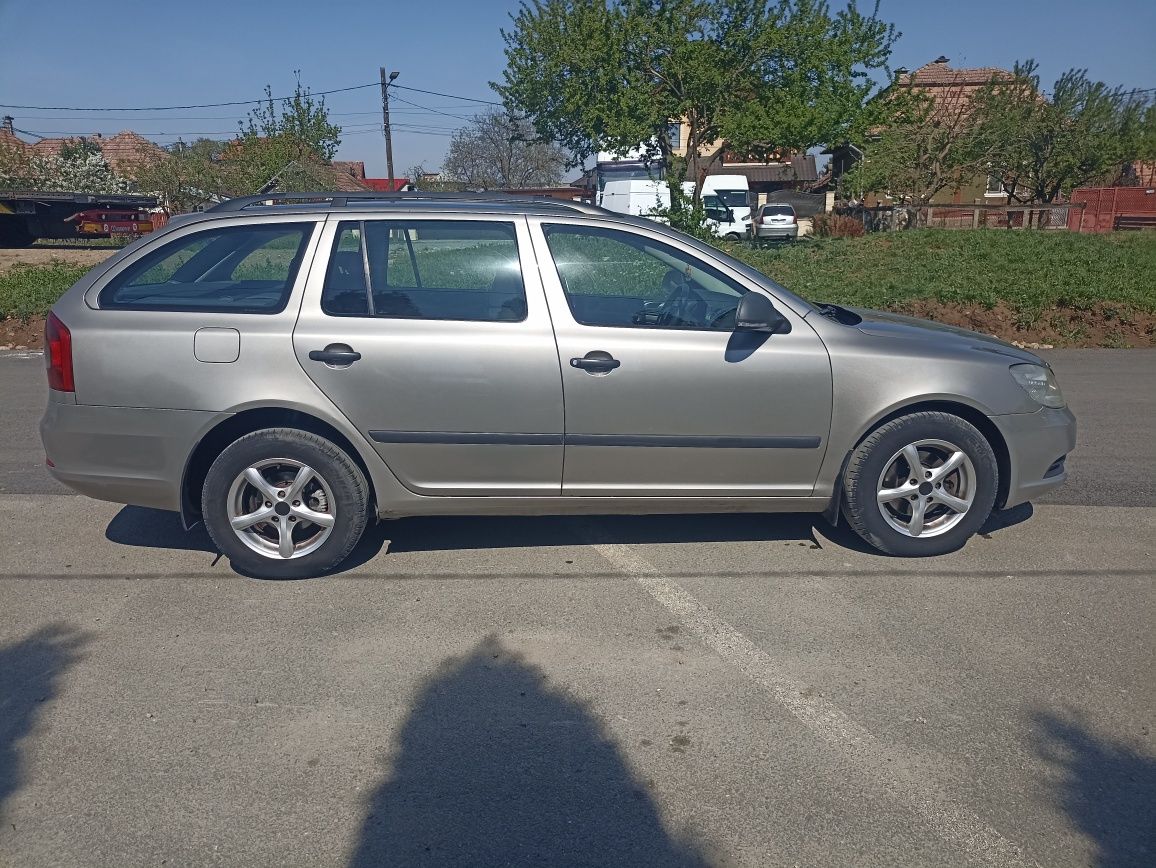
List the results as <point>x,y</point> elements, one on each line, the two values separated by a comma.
<point>725,320</point>
<point>678,293</point>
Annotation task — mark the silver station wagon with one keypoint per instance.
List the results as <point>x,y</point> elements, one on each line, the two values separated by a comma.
<point>285,371</point>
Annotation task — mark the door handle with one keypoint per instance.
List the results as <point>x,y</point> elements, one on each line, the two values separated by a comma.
<point>596,362</point>
<point>338,355</point>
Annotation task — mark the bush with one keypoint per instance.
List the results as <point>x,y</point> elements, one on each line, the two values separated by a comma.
<point>838,226</point>
<point>30,290</point>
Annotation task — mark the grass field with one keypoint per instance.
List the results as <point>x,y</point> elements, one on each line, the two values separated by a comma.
<point>1053,288</point>
<point>1027,271</point>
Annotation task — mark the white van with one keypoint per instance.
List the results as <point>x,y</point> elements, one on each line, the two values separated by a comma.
<point>727,202</point>
<point>635,197</point>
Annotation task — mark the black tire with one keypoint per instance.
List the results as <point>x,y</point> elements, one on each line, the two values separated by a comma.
<point>339,473</point>
<point>861,483</point>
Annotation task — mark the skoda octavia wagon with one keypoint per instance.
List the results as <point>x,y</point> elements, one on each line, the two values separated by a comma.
<point>287,373</point>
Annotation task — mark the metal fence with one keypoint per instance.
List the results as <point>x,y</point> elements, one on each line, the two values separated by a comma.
<point>885,218</point>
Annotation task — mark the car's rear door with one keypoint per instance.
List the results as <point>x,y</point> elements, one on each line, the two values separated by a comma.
<point>662,396</point>
<point>432,335</point>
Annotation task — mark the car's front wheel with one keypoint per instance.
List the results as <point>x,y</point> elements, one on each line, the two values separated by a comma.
<point>284,504</point>
<point>921,484</point>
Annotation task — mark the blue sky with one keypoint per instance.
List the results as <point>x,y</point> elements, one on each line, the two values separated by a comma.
<point>126,53</point>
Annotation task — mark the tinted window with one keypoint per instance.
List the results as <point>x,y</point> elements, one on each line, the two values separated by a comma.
<point>615,278</point>
<point>429,269</point>
<point>778,211</point>
<point>237,269</point>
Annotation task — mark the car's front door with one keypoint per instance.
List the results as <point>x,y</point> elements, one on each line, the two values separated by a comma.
<point>433,337</point>
<point>663,396</point>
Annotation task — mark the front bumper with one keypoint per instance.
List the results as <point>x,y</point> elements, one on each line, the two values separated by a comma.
<point>123,454</point>
<point>1037,443</point>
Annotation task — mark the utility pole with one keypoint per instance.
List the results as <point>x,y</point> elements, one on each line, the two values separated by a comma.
<point>385,120</point>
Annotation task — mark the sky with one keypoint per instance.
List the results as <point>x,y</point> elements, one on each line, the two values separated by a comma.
<point>129,54</point>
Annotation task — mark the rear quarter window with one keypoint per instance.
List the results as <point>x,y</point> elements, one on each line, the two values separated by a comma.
<point>232,269</point>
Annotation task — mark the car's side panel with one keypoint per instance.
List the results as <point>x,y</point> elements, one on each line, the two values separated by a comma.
<point>693,413</point>
<point>452,407</point>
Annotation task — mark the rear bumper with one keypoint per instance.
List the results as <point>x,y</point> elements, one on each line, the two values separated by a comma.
<point>1037,445</point>
<point>781,233</point>
<point>123,454</point>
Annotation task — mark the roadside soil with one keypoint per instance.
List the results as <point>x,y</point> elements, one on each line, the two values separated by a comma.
<point>45,254</point>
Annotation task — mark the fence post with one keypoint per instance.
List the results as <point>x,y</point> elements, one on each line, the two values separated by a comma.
<point>975,218</point>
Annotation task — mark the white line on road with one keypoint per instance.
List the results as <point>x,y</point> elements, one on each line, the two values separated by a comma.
<point>19,354</point>
<point>950,820</point>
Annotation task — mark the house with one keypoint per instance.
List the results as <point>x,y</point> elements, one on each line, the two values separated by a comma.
<point>123,152</point>
<point>951,91</point>
<point>356,169</point>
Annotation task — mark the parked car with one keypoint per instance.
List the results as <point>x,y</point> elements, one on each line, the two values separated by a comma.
<point>775,222</point>
<point>289,373</point>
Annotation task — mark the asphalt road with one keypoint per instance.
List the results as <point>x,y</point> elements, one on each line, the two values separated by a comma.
<point>689,690</point>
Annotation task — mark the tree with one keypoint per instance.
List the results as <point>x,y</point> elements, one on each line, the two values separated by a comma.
<point>923,144</point>
<point>189,176</point>
<point>498,150</point>
<point>597,75</point>
<point>285,145</point>
<point>1045,147</point>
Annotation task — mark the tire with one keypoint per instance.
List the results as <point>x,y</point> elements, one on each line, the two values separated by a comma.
<point>936,508</point>
<point>734,236</point>
<point>257,477</point>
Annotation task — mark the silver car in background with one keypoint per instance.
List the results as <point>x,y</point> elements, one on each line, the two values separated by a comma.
<point>288,373</point>
<point>775,222</point>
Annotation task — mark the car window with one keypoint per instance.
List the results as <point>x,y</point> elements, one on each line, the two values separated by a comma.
<point>425,269</point>
<point>236,269</point>
<point>778,211</point>
<point>620,279</point>
<point>734,198</point>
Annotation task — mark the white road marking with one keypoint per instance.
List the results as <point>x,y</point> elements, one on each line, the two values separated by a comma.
<point>20,354</point>
<point>950,820</point>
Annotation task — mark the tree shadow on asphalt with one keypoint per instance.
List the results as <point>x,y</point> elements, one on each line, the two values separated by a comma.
<point>29,673</point>
<point>496,766</point>
<point>152,528</point>
<point>1107,788</point>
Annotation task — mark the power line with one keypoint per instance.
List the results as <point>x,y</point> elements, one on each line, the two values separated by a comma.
<point>435,111</point>
<point>446,95</point>
<point>49,108</point>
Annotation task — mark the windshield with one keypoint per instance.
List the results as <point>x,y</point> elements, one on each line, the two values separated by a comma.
<point>732,198</point>
<point>779,210</point>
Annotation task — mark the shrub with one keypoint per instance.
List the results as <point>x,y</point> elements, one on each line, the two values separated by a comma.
<point>838,226</point>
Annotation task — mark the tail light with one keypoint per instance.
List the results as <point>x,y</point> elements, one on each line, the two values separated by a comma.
<point>58,355</point>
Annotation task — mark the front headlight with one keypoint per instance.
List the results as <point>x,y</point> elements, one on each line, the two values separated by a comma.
<point>1039,382</point>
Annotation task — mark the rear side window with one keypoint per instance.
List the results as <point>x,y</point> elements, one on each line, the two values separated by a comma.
<point>234,269</point>
<point>428,269</point>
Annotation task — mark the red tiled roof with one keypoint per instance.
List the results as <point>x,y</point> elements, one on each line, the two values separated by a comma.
<point>382,184</point>
<point>121,151</point>
<point>354,168</point>
<point>939,74</point>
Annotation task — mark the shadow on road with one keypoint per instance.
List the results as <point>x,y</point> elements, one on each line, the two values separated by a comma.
<point>1107,789</point>
<point>152,528</point>
<point>497,767</point>
<point>29,671</point>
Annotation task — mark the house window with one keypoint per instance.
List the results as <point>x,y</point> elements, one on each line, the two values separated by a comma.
<point>994,186</point>
<point>674,132</point>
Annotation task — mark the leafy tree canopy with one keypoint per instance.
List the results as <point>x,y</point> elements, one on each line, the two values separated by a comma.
<point>601,75</point>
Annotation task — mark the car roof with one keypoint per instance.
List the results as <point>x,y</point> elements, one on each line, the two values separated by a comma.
<point>508,203</point>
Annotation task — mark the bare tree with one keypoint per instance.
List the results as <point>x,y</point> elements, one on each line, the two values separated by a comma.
<point>499,151</point>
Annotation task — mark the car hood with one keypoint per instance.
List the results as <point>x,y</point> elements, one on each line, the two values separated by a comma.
<point>896,326</point>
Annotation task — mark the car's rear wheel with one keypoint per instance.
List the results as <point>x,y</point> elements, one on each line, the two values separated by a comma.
<point>921,484</point>
<point>283,504</point>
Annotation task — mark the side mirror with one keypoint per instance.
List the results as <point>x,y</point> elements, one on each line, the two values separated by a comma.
<point>730,216</point>
<point>756,314</point>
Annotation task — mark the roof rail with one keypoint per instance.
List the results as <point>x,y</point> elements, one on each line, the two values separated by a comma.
<point>342,200</point>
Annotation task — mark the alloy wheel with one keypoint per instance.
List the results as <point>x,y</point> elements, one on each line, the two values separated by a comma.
<point>926,488</point>
<point>281,508</point>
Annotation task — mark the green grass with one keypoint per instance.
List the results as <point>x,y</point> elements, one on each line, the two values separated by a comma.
<point>1029,271</point>
<point>30,290</point>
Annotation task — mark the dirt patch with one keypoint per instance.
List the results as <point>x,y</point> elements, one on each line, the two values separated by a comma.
<point>44,255</point>
<point>1104,325</point>
<point>15,335</point>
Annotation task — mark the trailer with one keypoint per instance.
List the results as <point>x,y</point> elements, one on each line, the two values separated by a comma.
<point>27,215</point>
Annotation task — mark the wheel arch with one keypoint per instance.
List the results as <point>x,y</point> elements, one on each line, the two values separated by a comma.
<point>229,430</point>
<point>967,412</point>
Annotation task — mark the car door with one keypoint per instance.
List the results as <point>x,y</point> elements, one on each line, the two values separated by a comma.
<point>433,337</point>
<point>662,396</point>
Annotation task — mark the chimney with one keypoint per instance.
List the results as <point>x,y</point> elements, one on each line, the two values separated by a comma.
<point>6,124</point>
